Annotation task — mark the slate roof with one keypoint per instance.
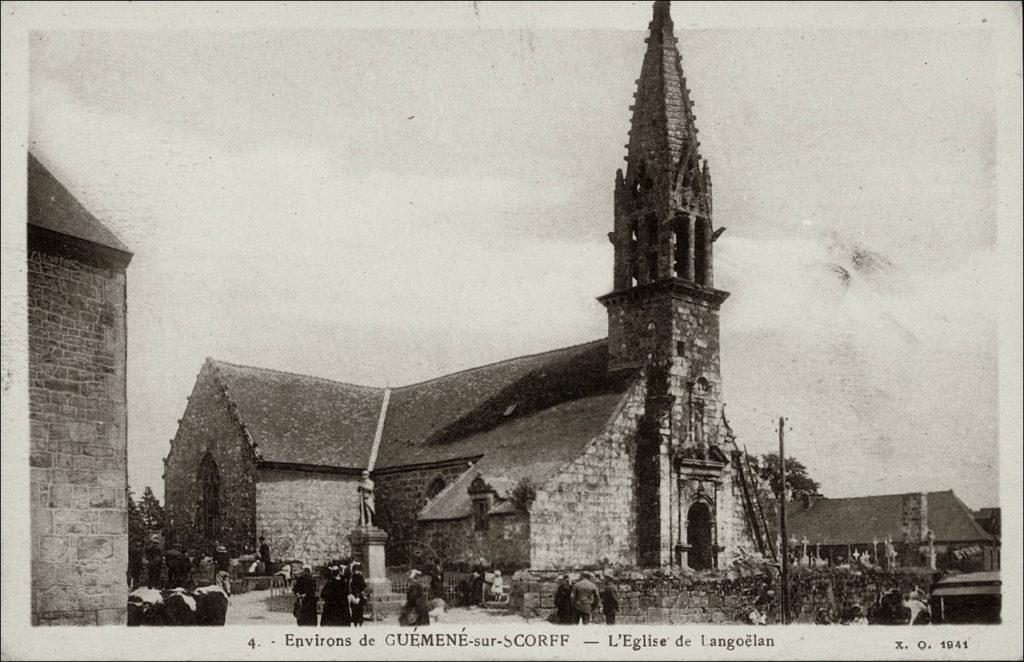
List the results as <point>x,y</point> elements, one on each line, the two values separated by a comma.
<point>860,520</point>
<point>52,207</point>
<point>445,418</point>
<point>534,447</point>
<point>521,418</point>
<point>298,419</point>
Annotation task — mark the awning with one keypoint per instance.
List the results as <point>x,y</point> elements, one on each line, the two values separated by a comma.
<point>947,591</point>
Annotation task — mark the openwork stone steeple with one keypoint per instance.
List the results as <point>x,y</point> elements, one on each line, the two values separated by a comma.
<point>663,226</point>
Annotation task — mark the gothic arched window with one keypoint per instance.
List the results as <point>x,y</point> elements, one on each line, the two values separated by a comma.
<point>209,499</point>
<point>436,486</point>
<point>701,251</point>
<point>651,246</point>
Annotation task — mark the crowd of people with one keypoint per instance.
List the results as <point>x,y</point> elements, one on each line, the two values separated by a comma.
<point>343,595</point>
<point>578,603</point>
<point>158,567</point>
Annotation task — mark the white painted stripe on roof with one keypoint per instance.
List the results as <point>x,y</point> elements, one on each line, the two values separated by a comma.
<point>380,428</point>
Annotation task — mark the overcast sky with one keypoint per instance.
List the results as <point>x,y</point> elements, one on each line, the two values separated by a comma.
<point>385,206</point>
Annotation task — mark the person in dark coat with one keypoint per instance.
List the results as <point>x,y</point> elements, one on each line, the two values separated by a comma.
<point>416,610</point>
<point>154,563</point>
<point>609,601</point>
<point>357,591</point>
<point>335,596</point>
<point>305,604</point>
<point>221,560</point>
<point>563,601</point>
<point>585,599</point>
<point>135,553</point>
<point>264,551</point>
<point>436,581</point>
<point>179,569</point>
<point>477,586</point>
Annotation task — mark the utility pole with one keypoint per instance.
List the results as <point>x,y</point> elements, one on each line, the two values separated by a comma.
<point>782,521</point>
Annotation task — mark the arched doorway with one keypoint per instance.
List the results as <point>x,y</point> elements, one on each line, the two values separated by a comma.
<point>209,499</point>
<point>700,536</point>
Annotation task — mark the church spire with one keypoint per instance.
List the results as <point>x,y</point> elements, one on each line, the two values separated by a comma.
<point>663,226</point>
<point>663,143</point>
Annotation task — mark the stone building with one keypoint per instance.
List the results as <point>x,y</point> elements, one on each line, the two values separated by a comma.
<point>77,415</point>
<point>615,451</point>
<point>916,524</point>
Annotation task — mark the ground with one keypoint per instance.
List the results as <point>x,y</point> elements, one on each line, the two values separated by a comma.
<point>259,607</point>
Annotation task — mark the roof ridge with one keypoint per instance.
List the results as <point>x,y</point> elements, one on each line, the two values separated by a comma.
<point>294,374</point>
<point>235,414</point>
<point>495,363</point>
<point>969,514</point>
<point>879,496</point>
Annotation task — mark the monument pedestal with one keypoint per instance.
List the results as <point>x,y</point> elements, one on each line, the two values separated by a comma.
<point>368,548</point>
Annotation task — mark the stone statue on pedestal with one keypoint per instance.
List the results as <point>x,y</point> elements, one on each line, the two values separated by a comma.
<point>367,510</point>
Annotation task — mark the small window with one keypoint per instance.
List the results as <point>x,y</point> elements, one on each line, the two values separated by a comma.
<point>209,499</point>
<point>436,486</point>
<point>480,508</point>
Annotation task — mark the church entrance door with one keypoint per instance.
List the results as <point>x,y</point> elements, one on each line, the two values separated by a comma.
<point>699,536</point>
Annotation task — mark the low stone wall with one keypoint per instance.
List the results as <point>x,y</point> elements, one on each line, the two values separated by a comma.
<point>658,597</point>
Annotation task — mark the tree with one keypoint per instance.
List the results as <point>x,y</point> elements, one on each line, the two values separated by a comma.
<point>524,494</point>
<point>798,480</point>
<point>150,511</point>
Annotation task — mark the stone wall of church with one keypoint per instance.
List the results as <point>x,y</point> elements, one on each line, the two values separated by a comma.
<point>208,426</point>
<point>682,331</point>
<point>696,373</point>
<point>400,495</point>
<point>586,514</point>
<point>505,544</point>
<point>306,515</point>
<point>78,440</point>
<point>734,531</point>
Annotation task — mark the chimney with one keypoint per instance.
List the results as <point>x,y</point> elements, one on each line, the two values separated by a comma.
<point>914,525</point>
<point>809,499</point>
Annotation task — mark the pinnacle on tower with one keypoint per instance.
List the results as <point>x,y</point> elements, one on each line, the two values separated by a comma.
<point>663,227</point>
<point>663,146</point>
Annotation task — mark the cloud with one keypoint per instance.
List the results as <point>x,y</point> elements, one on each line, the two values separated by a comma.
<point>879,365</point>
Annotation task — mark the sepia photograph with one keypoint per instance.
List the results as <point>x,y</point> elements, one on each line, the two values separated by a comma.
<point>553,319</point>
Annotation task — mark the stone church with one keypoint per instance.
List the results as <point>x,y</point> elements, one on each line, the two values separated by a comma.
<point>616,451</point>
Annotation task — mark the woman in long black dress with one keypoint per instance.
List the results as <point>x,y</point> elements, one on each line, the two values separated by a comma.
<point>416,610</point>
<point>357,589</point>
<point>563,601</point>
<point>305,606</point>
<point>335,596</point>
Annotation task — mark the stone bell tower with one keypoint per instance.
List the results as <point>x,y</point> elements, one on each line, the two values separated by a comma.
<point>663,312</point>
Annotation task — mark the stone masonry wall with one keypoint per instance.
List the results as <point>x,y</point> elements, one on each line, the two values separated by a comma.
<point>586,515</point>
<point>653,597</point>
<point>208,426</point>
<point>505,543</point>
<point>734,532</point>
<point>695,346</point>
<point>400,495</point>
<point>306,515</point>
<point>78,441</point>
